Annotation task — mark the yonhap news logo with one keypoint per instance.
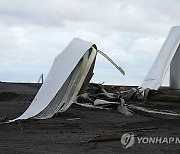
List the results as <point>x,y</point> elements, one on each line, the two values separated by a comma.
<point>128,140</point>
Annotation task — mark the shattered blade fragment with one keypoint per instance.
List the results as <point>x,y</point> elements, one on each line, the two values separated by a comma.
<point>84,98</point>
<point>123,109</point>
<point>155,76</point>
<point>71,69</point>
<point>69,76</point>
<point>112,62</point>
<point>163,114</point>
<point>134,94</point>
<point>130,94</point>
<point>103,102</point>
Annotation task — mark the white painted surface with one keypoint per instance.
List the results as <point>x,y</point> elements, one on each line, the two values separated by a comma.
<point>62,67</point>
<point>155,77</point>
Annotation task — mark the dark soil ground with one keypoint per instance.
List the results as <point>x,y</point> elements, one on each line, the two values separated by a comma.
<point>67,132</point>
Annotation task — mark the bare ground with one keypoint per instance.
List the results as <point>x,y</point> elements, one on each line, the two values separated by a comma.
<point>67,132</point>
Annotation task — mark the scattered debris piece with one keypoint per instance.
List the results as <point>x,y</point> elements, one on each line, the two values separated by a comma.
<point>164,114</point>
<point>123,109</point>
<point>130,102</point>
<point>155,95</point>
<point>72,119</point>
<point>3,118</point>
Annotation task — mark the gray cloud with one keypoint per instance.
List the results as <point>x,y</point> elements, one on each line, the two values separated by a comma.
<point>129,15</point>
<point>33,32</point>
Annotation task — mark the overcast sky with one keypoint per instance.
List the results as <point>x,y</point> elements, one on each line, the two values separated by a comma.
<point>131,32</point>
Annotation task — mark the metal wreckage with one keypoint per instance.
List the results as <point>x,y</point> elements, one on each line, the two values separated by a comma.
<point>69,77</point>
<point>133,101</point>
